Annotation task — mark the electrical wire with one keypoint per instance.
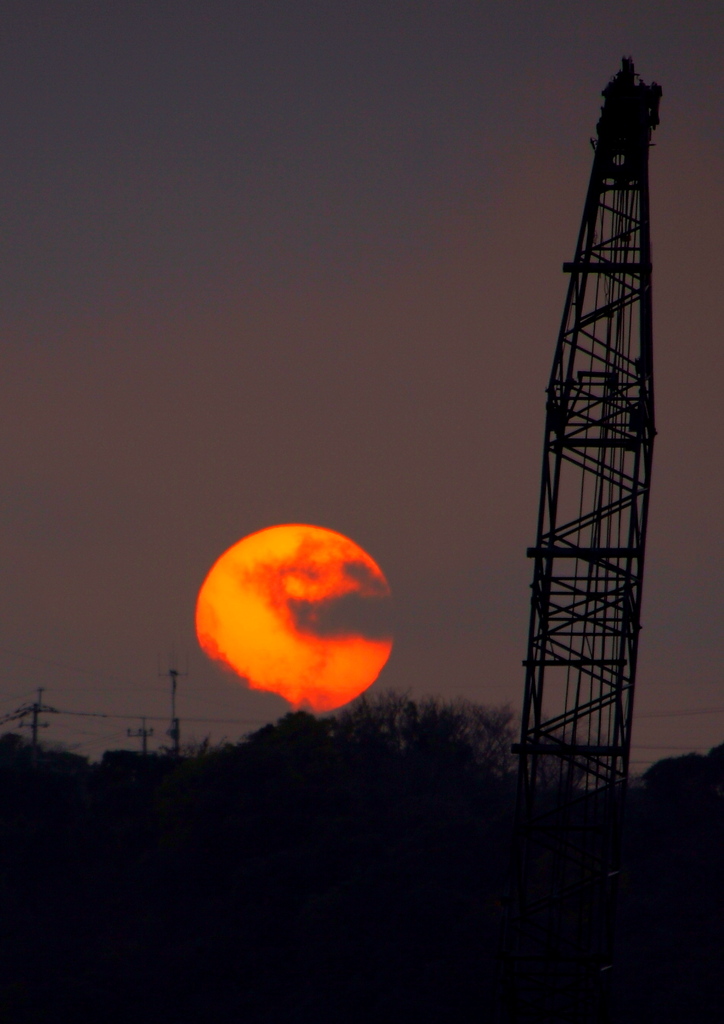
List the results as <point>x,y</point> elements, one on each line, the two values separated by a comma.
<point>681,713</point>
<point>60,664</point>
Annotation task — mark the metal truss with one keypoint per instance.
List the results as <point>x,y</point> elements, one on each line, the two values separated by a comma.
<point>588,569</point>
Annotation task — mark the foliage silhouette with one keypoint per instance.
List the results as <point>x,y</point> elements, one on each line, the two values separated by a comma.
<point>347,867</point>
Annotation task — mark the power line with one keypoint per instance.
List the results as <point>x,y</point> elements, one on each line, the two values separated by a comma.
<point>668,746</point>
<point>143,733</point>
<point>59,664</point>
<point>38,707</point>
<point>103,738</point>
<point>681,713</point>
<point>34,710</point>
<point>163,718</point>
<point>249,721</point>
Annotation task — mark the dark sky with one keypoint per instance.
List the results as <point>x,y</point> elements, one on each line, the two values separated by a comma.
<point>301,262</point>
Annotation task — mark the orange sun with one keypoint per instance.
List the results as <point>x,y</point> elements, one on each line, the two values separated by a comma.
<point>298,610</point>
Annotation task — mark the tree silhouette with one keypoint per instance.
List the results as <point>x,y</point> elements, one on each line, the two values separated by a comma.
<point>346,867</point>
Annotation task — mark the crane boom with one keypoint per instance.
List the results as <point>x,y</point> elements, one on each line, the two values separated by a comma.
<point>588,563</point>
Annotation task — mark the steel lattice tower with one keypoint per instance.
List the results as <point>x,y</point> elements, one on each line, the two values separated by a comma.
<point>586,592</point>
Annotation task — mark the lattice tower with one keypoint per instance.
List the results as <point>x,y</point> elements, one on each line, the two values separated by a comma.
<point>586,592</point>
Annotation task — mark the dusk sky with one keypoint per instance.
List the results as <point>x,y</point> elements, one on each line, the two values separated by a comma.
<point>300,262</point>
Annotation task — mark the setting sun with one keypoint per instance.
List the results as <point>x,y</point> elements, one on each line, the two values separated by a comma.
<point>300,611</point>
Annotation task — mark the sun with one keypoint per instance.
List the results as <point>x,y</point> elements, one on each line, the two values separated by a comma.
<point>300,611</point>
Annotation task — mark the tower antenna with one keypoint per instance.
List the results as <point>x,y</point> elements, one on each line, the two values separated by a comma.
<point>588,564</point>
<point>173,674</point>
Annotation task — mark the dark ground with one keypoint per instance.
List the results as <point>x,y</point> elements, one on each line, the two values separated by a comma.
<point>340,869</point>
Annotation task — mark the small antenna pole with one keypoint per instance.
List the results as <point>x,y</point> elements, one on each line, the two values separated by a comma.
<point>175,731</point>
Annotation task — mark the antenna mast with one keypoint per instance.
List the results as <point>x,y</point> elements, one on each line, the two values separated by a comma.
<point>585,614</point>
<point>175,729</point>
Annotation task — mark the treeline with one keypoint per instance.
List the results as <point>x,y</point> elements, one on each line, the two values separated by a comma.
<point>347,868</point>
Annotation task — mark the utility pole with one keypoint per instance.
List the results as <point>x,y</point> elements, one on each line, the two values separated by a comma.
<point>35,724</point>
<point>143,733</point>
<point>34,710</point>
